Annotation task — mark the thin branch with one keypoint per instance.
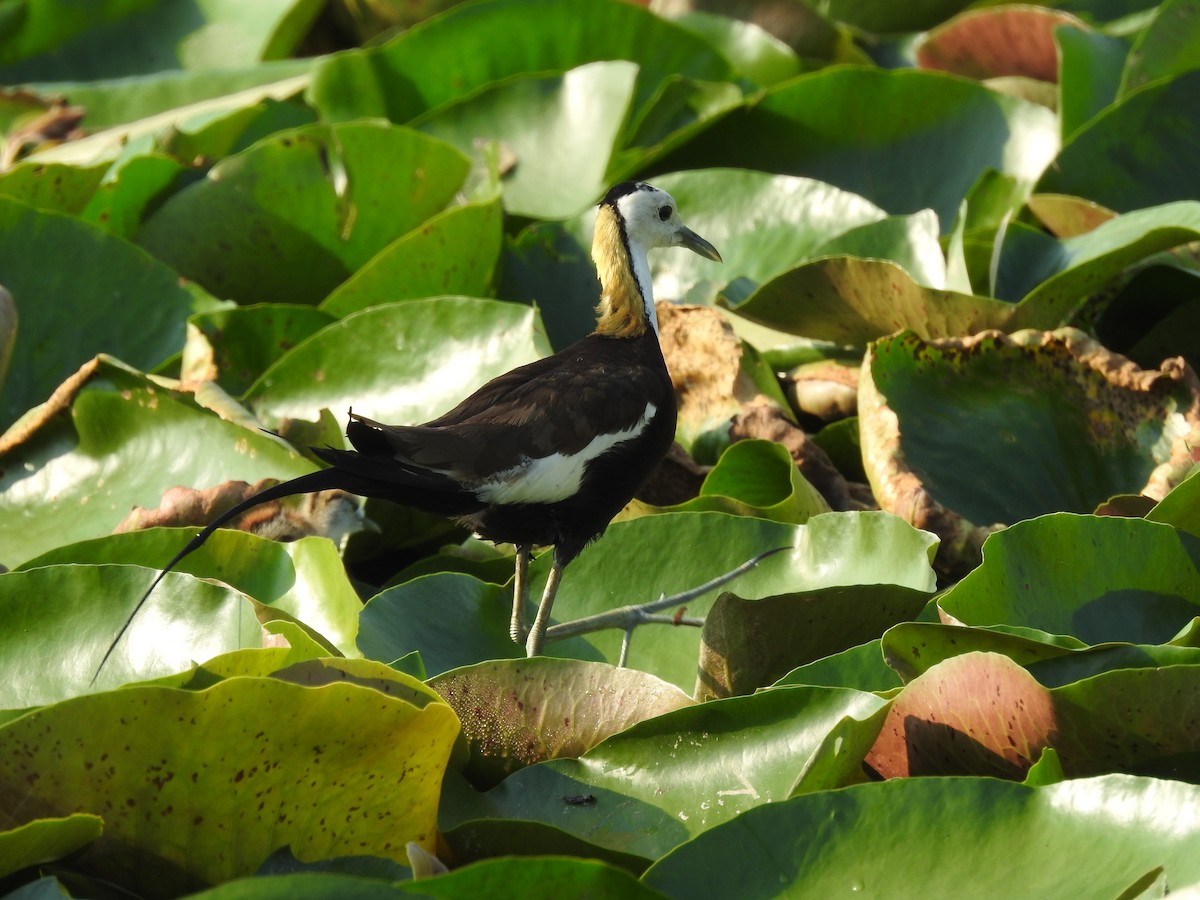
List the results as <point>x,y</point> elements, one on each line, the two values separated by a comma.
<point>629,617</point>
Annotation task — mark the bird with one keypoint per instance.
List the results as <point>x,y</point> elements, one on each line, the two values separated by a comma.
<point>545,454</point>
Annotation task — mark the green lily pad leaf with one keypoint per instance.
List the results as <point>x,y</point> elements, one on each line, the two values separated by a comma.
<point>53,187</point>
<point>129,188</point>
<point>758,478</point>
<point>754,52</point>
<point>532,877</point>
<point>838,760</point>
<point>913,648</point>
<point>630,564</point>
<point>990,43</point>
<point>536,878</point>
<point>127,441</point>
<point>561,162</point>
<point>1089,75</point>
<point>954,130</point>
<point>1166,47</point>
<point>453,619</point>
<point>974,714</point>
<point>1181,507</point>
<point>854,301</point>
<point>303,578</point>
<point>455,252</point>
<point>519,712</point>
<point>680,109</point>
<point>1131,720</point>
<point>289,757</point>
<point>237,345</point>
<point>1075,426</point>
<point>1102,163</point>
<point>119,101</point>
<point>1054,277</point>
<point>320,201</point>
<point>1139,585</point>
<point>128,39</point>
<point>888,18</point>
<point>118,299</point>
<point>144,135</point>
<point>449,347</point>
<point>45,840</point>
<point>458,53</point>
<point>862,668</point>
<point>1047,770</point>
<point>48,657</point>
<point>1052,830</point>
<point>911,241</point>
<point>715,761</point>
<point>746,645</point>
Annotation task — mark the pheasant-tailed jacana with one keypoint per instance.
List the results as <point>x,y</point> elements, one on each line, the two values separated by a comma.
<point>549,452</point>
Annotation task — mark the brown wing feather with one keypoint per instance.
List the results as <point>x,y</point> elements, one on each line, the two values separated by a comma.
<point>598,385</point>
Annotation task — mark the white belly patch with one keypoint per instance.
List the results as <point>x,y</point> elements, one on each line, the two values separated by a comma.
<point>557,476</point>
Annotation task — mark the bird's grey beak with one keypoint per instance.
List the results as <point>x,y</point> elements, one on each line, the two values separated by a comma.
<point>697,244</point>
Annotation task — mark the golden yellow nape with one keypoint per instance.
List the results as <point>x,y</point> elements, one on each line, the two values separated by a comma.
<point>622,309</point>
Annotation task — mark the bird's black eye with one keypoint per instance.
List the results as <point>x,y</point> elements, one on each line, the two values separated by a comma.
<point>664,213</point>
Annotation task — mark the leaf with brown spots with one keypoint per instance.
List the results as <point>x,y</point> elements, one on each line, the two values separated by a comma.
<point>975,714</point>
<point>518,712</point>
<point>199,787</point>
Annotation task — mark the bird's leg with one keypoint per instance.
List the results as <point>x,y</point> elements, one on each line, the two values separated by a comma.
<point>516,626</point>
<point>537,634</point>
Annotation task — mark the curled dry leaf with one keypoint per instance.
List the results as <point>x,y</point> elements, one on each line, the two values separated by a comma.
<point>710,367</point>
<point>332,514</point>
<point>963,436</point>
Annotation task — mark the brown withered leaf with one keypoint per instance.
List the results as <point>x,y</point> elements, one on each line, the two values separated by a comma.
<point>332,514</point>
<point>991,43</point>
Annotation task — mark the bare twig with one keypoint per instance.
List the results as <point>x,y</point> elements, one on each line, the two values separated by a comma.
<point>628,618</point>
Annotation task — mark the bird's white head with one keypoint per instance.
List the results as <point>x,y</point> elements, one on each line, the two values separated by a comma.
<point>635,217</point>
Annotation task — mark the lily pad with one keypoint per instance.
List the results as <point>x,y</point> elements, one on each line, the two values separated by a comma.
<point>962,436</point>
<point>303,578</point>
<point>561,162</point>
<point>672,777</point>
<point>853,301</point>
<point>1133,154</point>
<point>289,757</point>
<point>1053,831</point>
<point>127,441</point>
<point>929,158</point>
<point>454,252</point>
<point>1139,585</point>
<point>747,645</point>
<point>119,299</point>
<point>42,609</point>
<point>519,712</point>
<point>758,478</point>
<point>464,50</point>
<point>322,200</point>
<point>426,356</point>
<point>45,840</point>
<point>989,43</point>
<point>1089,74</point>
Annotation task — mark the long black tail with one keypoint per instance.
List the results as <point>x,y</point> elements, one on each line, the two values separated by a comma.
<point>326,479</point>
